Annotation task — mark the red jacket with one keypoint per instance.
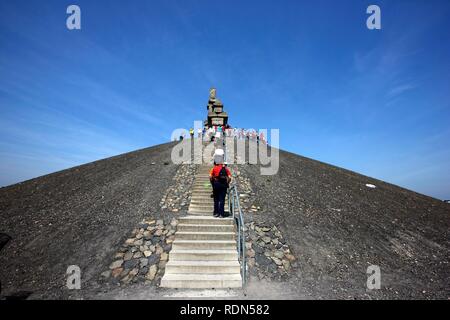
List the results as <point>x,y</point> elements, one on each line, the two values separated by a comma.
<point>214,173</point>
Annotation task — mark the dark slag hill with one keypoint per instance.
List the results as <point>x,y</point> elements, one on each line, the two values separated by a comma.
<point>77,216</point>
<point>335,225</point>
<point>338,227</point>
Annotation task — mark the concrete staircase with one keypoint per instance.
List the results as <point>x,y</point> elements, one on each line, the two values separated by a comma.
<point>204,253</point>
<point>201,201</point>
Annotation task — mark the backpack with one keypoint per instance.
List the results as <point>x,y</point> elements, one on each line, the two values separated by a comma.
<point>223,176</point>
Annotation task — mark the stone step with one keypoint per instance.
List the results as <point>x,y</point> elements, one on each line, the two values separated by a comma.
<point>203,254</point>
<point>206,196</point>
<point>206,227</point>
<point>202,201</point>
<point>202,184</point>
<point>209,205</point>
<point>203,267</point>
<point>201,281</point>
<point>204,207</point>
<point>203,220</point>
<point>203,244</point>
<point>201,188</point>
<point>204,235</point>
<point>205,212</point>
<point>202,192</point>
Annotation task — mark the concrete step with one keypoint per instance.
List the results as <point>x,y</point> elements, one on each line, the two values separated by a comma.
<point>201,192</point>
<point>204,235</point>
<point>206,227</point>
<point>203,244</point>
<point>202,197</point>
<point>201,183</point>
<point>205,220</point>
<point>203,267</point>
<point>201,281</point>
<point>208,212</point>
<point>202,201</point>
<point>205,213</point>
<point>209,205</point>
<point>203,254</point>
<point>201,188</point>
<point>204,207</point>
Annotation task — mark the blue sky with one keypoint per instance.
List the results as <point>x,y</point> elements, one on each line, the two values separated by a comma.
<point>372,101</point>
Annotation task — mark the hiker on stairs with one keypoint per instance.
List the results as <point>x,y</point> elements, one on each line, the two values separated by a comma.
<point>220,177</point>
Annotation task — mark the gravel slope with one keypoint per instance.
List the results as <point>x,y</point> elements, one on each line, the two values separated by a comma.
<point>337,227</point>
<point>77,216</point>
<point>334,224</point>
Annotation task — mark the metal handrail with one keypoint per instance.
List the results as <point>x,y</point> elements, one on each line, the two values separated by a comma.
<point>236,210</point>
<point>234,206</point>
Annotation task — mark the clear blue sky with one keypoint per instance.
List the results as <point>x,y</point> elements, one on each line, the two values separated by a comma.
<point>376,102</point>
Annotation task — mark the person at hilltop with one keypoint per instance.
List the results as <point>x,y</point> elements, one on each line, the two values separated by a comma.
<point>220,177</point>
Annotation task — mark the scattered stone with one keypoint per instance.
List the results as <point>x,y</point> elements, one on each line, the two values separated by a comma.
<point>143,226</point>
<point>286,265</point>
<point>130,264</point>
<point>116,272</point>
<point>164,256</point>
<point>277,261</point>
<point>106,274</point>
<point>147,253</point>
<point>116,264</point>
<point>278,254</point>
<point>128,256</point>
<point>133,272</point>
<point>290,257</point>
<point>147,235</point>
<point>143,262</point>
<point>143,270</point>
<point>153,259</point>
<point>151,272</point>
<point>119,255</point>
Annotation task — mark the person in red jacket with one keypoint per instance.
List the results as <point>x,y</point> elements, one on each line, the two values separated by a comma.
<point>220,177</point>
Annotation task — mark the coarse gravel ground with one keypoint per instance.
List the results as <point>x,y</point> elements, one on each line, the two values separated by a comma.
<point>335,226</point>
<point>78,216</point>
